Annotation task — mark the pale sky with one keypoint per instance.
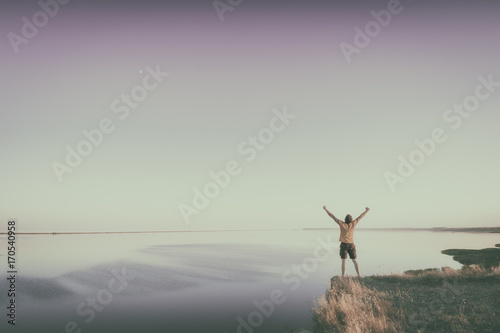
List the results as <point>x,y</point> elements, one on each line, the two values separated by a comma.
<point>351,120</point>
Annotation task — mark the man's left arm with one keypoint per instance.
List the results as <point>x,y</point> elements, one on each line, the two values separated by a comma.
<point>362,215</point>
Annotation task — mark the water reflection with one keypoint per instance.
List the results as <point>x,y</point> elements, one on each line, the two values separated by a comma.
<point>193,281</point>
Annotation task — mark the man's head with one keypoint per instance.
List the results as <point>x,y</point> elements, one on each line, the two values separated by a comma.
<point>348,219</point>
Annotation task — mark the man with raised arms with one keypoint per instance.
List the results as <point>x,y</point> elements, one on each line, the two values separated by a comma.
<point>347,237</point>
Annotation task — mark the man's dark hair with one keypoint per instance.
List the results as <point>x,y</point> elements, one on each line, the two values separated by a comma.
<point>348,219</point>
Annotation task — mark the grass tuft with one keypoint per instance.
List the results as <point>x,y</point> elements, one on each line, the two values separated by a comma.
<point>350,306</point>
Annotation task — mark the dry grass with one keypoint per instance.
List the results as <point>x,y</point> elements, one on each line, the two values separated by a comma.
<point>351,307</point>
<point>446,300</point>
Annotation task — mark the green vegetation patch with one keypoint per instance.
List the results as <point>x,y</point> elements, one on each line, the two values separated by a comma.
<point>485,257</point>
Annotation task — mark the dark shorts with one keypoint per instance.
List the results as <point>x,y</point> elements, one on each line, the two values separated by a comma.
<point>347,248</point>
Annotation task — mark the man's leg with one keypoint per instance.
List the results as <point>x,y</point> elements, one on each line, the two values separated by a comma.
<point>343,266</point>
<point>356,266</point>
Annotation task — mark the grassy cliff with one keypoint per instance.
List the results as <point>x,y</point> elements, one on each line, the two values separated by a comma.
<point>432,300</point>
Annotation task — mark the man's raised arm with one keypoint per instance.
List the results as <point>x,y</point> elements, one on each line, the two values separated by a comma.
<point>331,215</point>
<point>364,213</point>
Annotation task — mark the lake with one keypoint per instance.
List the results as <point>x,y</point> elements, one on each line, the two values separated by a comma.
<point>252,281</point>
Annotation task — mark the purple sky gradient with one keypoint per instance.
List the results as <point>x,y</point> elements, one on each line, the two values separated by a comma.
<point>353,120</point>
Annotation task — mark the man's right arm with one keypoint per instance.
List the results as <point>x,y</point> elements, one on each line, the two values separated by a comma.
<point>331,215</point>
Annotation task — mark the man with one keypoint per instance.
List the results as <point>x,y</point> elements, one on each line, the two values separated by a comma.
<point>346,238</point>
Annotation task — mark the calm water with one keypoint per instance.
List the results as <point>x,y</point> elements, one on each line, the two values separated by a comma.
<point>201,282</point>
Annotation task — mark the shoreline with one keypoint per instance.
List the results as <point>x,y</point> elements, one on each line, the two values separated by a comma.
<point>438,229</point>
<point>487,257</point>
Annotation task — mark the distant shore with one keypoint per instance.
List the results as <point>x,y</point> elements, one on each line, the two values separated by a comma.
<point>136,232</point>
<point>479,229</point>
<point>438,229</point>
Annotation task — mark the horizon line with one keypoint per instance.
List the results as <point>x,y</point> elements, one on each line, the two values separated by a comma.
<point>469,229</point>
